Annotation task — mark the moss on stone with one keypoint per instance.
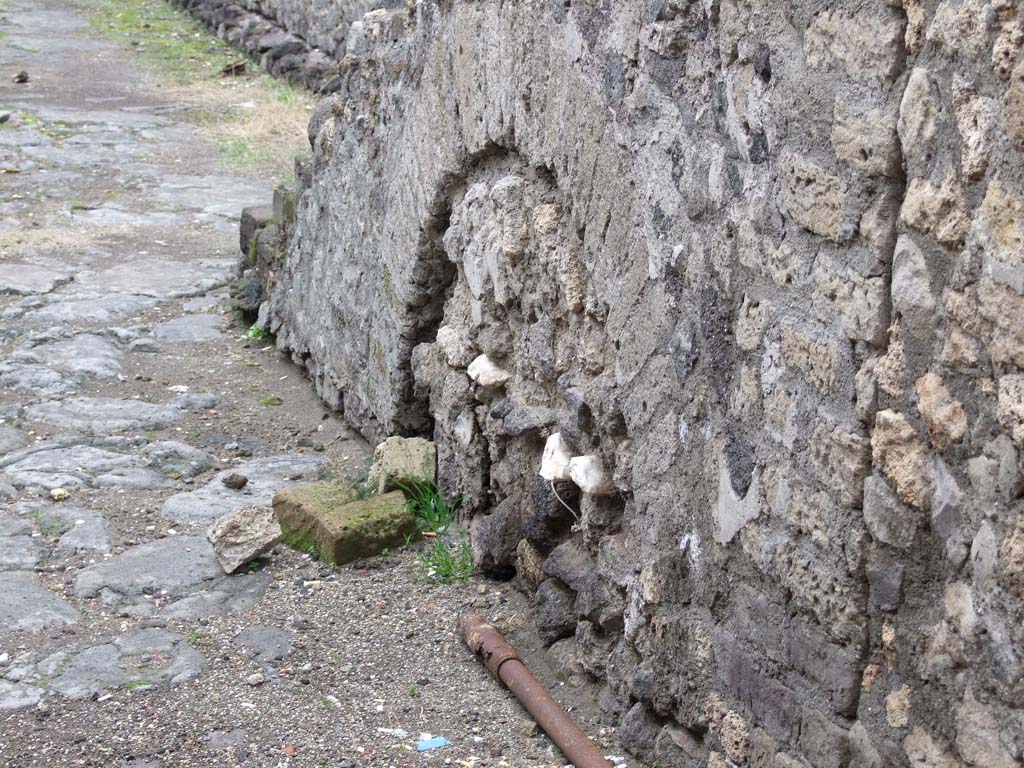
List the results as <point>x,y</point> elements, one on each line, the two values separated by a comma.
<point>342,528</point>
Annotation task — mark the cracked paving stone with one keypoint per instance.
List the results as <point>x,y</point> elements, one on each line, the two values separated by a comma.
<point>11,439</point>
<point>64,466</point>
<point>161,279</point>
<point>191,328</point>
<point>38,380</point>
<point>144,658</point>
<point>80,529</point>
<point>110,215</point>
<point>85,355</point>
<point>181,571</point>
<point>20,553</point>
<point>177,459</point>
<point>29,279</point>
<point>80,308</point>
<point>16,696</point>
<point>26,605</point>
<point>266,477</point>
<point>104,414</point>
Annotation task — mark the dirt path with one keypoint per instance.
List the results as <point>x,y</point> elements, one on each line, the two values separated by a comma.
<point>125,383</point>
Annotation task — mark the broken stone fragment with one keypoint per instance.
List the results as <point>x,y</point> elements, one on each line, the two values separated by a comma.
<point>590,476</point>
<point>399,458</point>
<point>485,373</point>
<point>235,481</point>
<point>554,464</point>
<point>243,535</point>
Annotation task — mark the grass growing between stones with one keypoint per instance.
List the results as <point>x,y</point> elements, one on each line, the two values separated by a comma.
<point>258,124</point>
<point>433,514</point>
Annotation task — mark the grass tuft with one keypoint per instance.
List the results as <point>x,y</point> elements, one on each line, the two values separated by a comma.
<point>446,559</point>
<point>423,496</point>
<point>445,556</point>
<point>256,333</point>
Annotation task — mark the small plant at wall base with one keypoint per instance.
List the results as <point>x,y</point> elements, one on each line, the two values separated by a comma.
<point>445,557</point>
<point>433,514</point>
<point>256,333</point>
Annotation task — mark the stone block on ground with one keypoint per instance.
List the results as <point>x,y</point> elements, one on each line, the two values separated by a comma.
<point>243,535</point>
<point>254,218</point>
<point>401,457</point>
<point>325,516</point>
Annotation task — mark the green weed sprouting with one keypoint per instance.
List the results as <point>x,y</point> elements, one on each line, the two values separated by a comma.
<point>257,333</point>
<point>433,514</point>
<point>445,557</point>
<point>445,560</point>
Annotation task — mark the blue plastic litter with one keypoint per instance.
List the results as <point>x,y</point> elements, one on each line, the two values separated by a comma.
<point>437,742</point>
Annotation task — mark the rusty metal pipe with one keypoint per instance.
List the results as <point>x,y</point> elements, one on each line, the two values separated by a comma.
<point>486,642</point>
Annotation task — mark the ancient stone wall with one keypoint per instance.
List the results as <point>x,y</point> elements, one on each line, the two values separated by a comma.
<point>748,280</point>
<point>302,40</point>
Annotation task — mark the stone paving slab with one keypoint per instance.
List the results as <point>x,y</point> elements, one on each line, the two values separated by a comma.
<point>265,477</point>
<point>104,414</point>
<point>25,604</point>
<point>178,576</point>
<point>26,279</point>
<point>80,308</point>
<point>11,439</point>
<point>161,278</point>
<point>176,459</point>
<point>144,658</point>
<point>36,379</point>
<point>191,328</point>
<point>68,467</point>
<point>86,355</point>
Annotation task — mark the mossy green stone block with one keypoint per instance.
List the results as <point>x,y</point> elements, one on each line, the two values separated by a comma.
<point>342,528</point>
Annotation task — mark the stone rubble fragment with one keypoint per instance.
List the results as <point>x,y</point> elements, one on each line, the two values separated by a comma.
<point>486,373</point>
<point>555,461</point>
<point>243,535</point>
<point>401,458</point>
<point>590,475</point>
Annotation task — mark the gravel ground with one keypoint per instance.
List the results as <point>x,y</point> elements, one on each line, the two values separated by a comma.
<point>115,651</point>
